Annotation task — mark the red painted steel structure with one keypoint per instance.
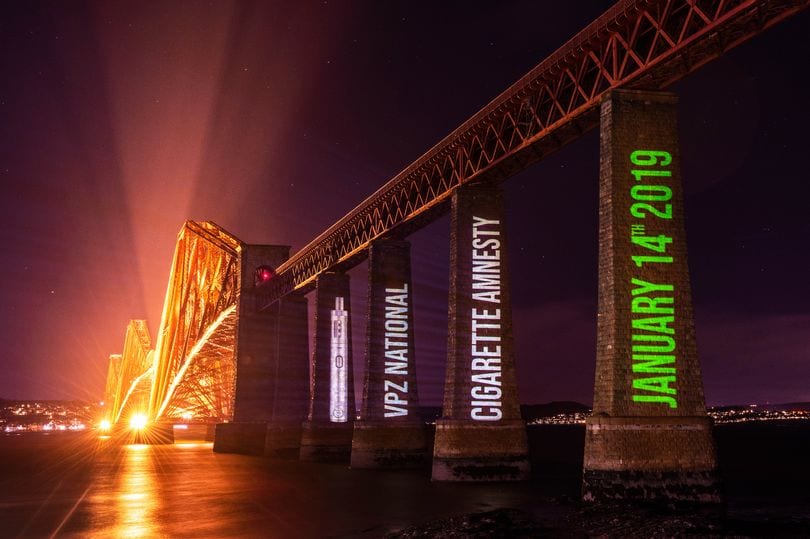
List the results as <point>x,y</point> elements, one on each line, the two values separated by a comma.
<point>644,44</point>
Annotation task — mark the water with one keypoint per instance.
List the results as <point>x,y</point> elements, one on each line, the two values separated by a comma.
<point>78,486</point>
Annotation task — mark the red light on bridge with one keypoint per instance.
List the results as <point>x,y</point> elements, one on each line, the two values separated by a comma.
<point>264,274</point>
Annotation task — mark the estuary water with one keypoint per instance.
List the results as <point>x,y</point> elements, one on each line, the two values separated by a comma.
<point>78,485</point>
<point>70,485</point>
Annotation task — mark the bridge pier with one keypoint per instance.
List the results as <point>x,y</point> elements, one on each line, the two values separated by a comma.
<point>481,436</point>
<point>256,364</point>
<point>649,437</point>
<point>243,437</point>
<point>276,430</point>
<point>327,434</point>
<point>194,432</point>
<point>154,434</point>
<point>257,358</point>
<point>390,432</point>
<point>291,398</point>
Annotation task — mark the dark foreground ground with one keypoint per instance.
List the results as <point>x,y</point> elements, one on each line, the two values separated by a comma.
<point>74,485</point>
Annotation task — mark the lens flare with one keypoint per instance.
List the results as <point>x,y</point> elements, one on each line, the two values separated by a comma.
<point>104,425</point>
<point>138,422</point>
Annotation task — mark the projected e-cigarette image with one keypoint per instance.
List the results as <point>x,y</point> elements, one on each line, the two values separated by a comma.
<point>338,394</point>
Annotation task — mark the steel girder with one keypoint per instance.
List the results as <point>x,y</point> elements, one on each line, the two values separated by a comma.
<point>645,44</point>
<point>113,387</point>
<point>195,354</point>
<point>127,372</point>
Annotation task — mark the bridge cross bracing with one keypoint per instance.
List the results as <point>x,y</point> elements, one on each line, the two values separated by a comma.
<point>190,374</point>
<point>194,352</point>
<point>129,378</point>
<point>636,44</point>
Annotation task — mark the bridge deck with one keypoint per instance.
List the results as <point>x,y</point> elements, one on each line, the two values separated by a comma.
<point>636,44</point>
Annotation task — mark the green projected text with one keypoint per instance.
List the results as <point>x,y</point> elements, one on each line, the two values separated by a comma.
<point>652,304</point>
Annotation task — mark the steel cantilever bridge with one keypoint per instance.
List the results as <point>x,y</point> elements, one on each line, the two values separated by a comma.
<point>191,373</point>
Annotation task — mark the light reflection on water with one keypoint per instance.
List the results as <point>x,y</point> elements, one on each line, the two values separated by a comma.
<point>136,496</point>
<point>109,490</point>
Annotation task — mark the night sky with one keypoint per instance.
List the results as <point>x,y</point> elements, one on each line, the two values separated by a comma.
<point>118,121</point>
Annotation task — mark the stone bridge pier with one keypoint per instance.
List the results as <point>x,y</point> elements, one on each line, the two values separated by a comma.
<point>390,432</point>
<point>480,436</point>
<point>649,437</point>
<point>271,367</point>
<point>327,432</point>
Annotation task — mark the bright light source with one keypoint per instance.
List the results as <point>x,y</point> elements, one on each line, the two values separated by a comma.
<point>264,274</point>
<point>138,422</point>
<point>104,425</point>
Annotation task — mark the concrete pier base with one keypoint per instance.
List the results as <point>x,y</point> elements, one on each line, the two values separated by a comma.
<point>467,451</point>
<point>245,438</point>
<point>379,444</point>
<point>194,432</point>
<point>326,442</point>
<point>658,459</point>
<point>666,487</point>
<point>157,434</point>
<point>282,440</point>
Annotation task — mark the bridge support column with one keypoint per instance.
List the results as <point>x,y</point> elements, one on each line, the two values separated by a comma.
<point>481,436</point>
<point>327,434</point>
<point>649,437</point>
<point>390,433</point>
<point>291,398</point>
<point>257,359</point>
<point>155,434</point>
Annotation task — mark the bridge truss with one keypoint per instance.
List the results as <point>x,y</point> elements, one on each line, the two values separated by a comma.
<point>644,44</point>
<point>129,378</point>
<point>195,356</point>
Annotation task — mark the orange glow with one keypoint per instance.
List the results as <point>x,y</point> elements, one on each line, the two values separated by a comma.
<point>137,498</point>
<point>138,422</point>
